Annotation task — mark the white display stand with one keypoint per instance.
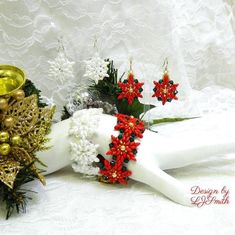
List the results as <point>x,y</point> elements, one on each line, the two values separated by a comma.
<point>157,152</point>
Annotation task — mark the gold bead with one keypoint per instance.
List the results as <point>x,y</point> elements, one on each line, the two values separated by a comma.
<point>16,140</point>
<point>3,104</point>
<point>4,136</point>
<point>8,122</point>
<point>131,124</point>
<point>130,89</point>
<point>123,148</point>
<point>5,149</point>
<point>19,95</point>
<point>165,90</point>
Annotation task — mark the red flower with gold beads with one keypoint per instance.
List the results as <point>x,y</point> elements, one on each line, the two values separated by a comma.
<point>165,89</point>
<point>115,173</point>
<point>123,148</point>
<point>130,125</point>
<point>130,89</point>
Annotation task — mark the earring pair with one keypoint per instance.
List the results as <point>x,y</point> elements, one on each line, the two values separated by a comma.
<point>165,90</point>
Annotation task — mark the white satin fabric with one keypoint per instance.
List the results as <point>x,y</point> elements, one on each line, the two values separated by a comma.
<point>197,37</point>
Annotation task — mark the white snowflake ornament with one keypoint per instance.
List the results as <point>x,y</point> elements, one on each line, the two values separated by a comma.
<point>96,68</point>
<point>61,68</point>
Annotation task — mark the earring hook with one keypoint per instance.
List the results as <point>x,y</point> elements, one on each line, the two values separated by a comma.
<point>165,65</point>
<point>95,44</point>
<point>60,43</point>
<point>131,62</point>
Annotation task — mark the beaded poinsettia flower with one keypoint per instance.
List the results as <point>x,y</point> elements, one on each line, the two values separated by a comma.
<point>129,124</point>
<point>123,148</point>
<point>116,173</point>
<point>165,89</point>
<point>130,89</point>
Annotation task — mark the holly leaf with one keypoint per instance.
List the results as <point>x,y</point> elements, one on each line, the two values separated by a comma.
<point>135,109</point>
<point>169,120</point>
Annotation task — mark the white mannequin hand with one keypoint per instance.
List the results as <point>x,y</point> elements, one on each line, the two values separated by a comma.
<point>155,153</point>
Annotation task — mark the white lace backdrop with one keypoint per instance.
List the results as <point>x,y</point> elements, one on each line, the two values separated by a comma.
<point>197,37</point>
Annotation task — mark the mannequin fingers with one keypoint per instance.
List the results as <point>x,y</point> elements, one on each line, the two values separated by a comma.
<point>162,182</point>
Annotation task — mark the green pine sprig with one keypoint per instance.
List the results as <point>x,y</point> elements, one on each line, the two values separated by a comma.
<point>65,114</point>
<point>16,198</point>
<point>108,90</point>
<point>30,89</point>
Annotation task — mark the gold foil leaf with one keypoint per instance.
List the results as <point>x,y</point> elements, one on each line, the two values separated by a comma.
<point>24,158</point>
<point>21,155</point>
<point>25,114</point>
<point>8,172</point>
<point>36,138</point>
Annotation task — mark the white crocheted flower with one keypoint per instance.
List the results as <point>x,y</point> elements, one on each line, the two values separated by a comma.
<point>84,152</point>
<point>84,122</point>
<point>61,68</point>
<point>96,68</point>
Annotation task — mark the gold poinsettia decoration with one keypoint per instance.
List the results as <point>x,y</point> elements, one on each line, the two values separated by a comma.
<point>23,130</point>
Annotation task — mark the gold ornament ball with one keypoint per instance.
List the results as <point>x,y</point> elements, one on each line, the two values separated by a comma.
<point>16,140</point>
<point>4,136</point>
<point>3,104</point>
<point>19,95</point>
<point>5,149</point>
<point>9,121</point>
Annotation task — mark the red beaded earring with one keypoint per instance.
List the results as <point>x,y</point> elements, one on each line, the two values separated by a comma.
<point>130,89</point>
<point>165,89</point>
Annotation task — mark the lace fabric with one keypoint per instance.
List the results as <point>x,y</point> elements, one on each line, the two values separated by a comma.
<point>196,36</point>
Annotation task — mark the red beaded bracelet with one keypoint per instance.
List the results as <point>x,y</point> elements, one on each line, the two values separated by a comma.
<point>122,149</point>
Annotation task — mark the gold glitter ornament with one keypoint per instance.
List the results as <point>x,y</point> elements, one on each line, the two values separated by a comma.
<point>3,103</point>
<point>19,95</point>
<point>5,149</point>
<point>4,136</point>
<point>16,140</point>
<point>8,122</point>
